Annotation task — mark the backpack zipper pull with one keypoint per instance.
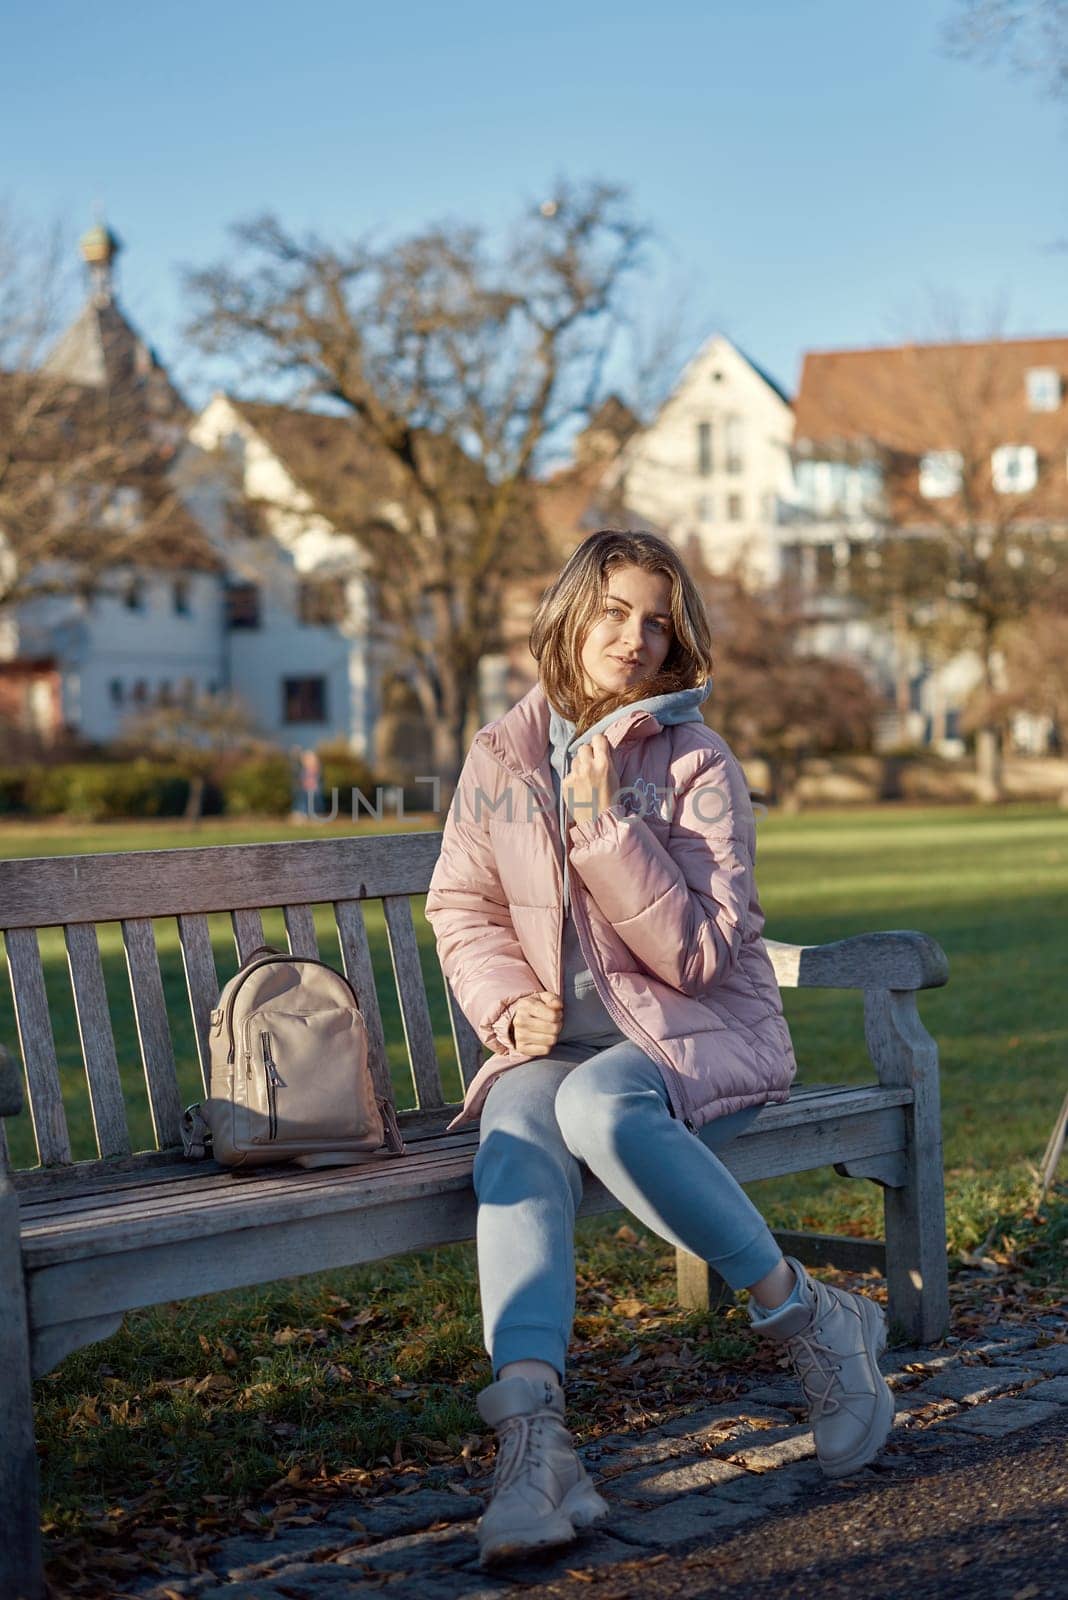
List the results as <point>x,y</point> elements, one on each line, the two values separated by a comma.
<point>273,1074</point>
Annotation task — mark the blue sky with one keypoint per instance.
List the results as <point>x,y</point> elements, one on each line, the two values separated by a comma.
<point>814,168</point>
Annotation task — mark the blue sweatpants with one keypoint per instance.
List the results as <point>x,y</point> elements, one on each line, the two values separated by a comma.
<point>608,1109</point>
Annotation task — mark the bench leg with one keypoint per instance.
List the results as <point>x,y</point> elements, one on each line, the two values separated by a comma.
<point>917,1268</point>
<point>21,1569</point>
<point>698,1285</point>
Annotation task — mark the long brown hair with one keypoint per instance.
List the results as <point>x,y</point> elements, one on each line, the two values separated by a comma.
<point>572,603</point>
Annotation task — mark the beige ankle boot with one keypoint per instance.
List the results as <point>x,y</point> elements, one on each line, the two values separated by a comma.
<point>834,1339</point>
<point>541,1490</point>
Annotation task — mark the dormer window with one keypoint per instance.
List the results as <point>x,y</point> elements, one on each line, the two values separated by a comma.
<point>1014,468</point>
<point>940,472</point>
<point>1043,389</point>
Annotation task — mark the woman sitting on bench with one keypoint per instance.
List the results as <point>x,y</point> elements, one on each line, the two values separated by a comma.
<point>633,877</point>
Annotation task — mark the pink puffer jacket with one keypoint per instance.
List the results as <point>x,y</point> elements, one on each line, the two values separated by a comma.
<point>665,906</point>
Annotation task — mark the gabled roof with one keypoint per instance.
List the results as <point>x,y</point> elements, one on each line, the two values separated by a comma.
<point>762,372</point>
<point>102,350</point>
<point>64,437</point>
<point>693,363</point>
<point>918,397</point>
<point>346,473</point>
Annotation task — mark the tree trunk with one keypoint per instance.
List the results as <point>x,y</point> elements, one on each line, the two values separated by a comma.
<point>194,805</point>
<point>988,766</point>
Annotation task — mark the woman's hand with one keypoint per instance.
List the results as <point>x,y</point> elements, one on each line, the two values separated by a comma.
<point>536,1021</point>
<point>592,781</point>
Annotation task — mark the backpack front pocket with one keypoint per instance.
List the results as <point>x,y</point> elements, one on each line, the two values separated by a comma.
<point>304,1082</point>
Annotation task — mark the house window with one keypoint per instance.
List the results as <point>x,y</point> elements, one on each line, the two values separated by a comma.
<point>704,508</point>
<point>134,596</point>
<point>1015,468</point>
<point>733,444</point>
<point>187,692</point>
<point>304,699</point>
<point>242,605</point>
<point>321,601</point>
<point>825,563</point>
<point>940,473</point>
<point>165,693</point>
<point>115,691</point>
<point>790,567</point>
<point>704,448</point>
<point>734,508</point>
<point>180,596</point>
<point>869,479</point>
<point>140,693</point>
<point>1043,389</point>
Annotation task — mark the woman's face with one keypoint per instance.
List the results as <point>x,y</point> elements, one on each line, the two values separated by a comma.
<point>630,638</point>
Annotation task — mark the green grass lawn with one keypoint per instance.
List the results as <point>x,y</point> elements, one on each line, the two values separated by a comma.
<point>225,1394</point>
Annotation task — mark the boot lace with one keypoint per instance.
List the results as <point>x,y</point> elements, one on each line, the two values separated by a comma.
<point>817,1366</point>
<point>519,1447</point>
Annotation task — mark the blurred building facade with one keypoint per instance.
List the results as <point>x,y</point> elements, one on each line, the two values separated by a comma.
<point>258,583</point>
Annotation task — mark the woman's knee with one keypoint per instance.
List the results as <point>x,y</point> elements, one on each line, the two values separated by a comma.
<point>602,1111</point>
<point>520,1150</point>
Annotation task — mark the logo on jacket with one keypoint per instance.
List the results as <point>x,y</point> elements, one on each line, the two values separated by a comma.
<point>640,798</point>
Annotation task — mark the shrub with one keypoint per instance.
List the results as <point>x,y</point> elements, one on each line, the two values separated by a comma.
<point>261,787</point>
<point>344,771</point>
<point>13,782</point>
<point>97,791</point>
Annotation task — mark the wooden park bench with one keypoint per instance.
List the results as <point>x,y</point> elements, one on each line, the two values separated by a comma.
<point>82,1241</point>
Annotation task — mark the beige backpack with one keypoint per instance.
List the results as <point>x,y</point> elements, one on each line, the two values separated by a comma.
<point>289,1073</point>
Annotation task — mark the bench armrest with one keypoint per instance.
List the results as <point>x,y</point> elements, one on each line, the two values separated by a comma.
<point>901,959</point>
<point>10,1085</point>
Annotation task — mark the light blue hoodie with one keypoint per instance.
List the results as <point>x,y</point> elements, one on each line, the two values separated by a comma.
<point>585,1017</point>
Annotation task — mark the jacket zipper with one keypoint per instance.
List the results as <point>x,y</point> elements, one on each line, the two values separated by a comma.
<point>604,994</point>
<point>274,1082</point>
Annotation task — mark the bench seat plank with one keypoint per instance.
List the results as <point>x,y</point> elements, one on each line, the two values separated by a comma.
<point>113,1226</point>
<point>344,1224</point>
<point>188,1183</point>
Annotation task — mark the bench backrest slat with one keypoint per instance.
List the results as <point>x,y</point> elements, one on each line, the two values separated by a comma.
<point>248,932</point>
<point>359,969</point>
<point>38,1046</point>
<point>201,982</point>
<point>411,992</point>
<point>300,931</point>
<point>153,1029</point>
<point>97,1040</point>
<point>469,1047</point>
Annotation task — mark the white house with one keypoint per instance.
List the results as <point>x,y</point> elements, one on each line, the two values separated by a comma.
<point>300,650</point>
<point>244,585</point>
<point>153,631</point>
<point>714,462</point>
